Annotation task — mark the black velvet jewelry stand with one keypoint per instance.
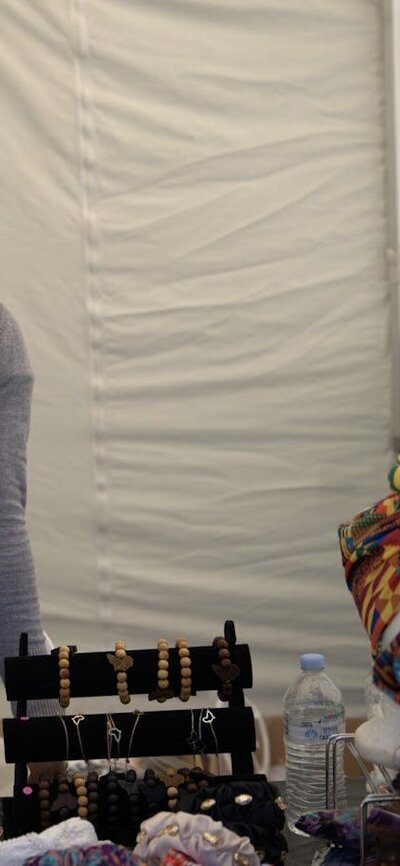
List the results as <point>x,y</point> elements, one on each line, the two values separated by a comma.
<point>164,732</point>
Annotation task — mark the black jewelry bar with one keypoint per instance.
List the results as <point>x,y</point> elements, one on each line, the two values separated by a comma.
<point>158,733</point>
<point>91,674</point>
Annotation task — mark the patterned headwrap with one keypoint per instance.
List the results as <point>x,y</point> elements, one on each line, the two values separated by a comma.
<point>370,546</point>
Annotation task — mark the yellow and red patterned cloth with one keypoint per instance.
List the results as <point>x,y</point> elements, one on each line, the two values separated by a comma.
<point>370,547</point>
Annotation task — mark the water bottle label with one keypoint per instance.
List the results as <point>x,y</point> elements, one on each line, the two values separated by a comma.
<point>317,730</point>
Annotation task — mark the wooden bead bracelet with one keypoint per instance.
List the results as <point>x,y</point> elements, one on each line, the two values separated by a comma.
<point>81,793</point>
<point>163,690</point>
<point>186,668</point>
<point>64,692</point>
<point>44,804</point>
<point>121,662</point>
<point>225,669</point>
<point>65,803</point>
<point>92,785</point>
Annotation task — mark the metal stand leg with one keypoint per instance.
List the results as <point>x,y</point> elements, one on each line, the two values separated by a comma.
<point>332,766</point>
<point>372,798</point>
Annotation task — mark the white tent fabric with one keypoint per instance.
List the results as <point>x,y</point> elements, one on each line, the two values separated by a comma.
<point>193,241</point>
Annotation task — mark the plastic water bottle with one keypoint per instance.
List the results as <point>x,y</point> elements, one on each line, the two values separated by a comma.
<point>313,711</point>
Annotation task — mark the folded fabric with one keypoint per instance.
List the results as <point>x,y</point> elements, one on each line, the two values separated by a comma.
<point>74,831</point>
<point>201,839</point>
<point>102,854</point>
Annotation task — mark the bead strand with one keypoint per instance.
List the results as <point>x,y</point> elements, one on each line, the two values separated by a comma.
<point>186,668</point>
<point>81,793</point>
<point>64,676</point>
<point>162,670</point>
<point>44,804</point>
<point>92,786</point>
<point>122,676</point>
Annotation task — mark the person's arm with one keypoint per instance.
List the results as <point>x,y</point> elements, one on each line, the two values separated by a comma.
<point>19,605</point>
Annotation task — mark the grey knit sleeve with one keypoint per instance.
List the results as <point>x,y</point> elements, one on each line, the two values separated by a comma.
<point>19,605</point>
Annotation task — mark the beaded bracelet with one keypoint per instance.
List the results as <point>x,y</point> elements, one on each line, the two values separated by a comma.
<point>172,780</point>
<point>186,668</point>
<point>153,791</point>
<point>121,662</point>
<point>130,784</point>
<point>64,676</point>
<point>92,786</point>
<point>225,669</point>
<point>81,795</point>
<point>65,803</point>
<point>44,804</point>
<point>162,691</point>
<point>112,799</point>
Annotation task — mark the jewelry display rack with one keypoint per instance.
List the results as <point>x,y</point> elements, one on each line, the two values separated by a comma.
<point>230,729</point>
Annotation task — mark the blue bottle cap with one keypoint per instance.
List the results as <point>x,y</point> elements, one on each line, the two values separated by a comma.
<point>312,662</point>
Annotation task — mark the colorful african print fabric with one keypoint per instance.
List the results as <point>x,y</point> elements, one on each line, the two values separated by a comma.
<point>386,670</point>
<point>103,854</point>
<point>370,547</point>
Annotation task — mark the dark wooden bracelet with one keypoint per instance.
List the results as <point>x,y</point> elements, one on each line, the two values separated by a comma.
<point>225,669</point>
<point>44,804</point>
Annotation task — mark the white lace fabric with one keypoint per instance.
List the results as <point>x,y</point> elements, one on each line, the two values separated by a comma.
<point>74,831</point>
